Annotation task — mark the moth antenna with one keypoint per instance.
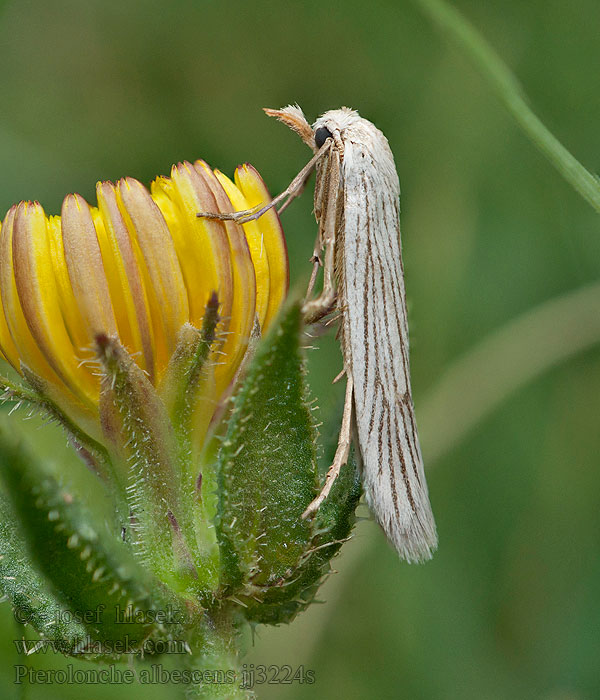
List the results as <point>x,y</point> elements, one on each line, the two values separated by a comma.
<point>293,117</point>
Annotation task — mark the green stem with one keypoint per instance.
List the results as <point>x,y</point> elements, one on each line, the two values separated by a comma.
<point>214,660</point>
<point>497,73</point>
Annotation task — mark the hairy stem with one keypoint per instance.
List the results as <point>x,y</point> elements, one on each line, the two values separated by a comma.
<point>214,660</point>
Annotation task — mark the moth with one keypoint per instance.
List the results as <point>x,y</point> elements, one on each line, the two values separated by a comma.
<point>356,204</point>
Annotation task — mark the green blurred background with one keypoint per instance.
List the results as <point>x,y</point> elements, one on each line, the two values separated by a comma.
<point>508,608</point>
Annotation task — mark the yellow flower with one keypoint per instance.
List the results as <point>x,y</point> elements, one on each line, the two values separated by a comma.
<point>137,267</point>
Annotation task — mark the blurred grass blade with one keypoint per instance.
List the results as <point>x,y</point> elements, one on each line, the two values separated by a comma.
<point>503,362</point>
<point>498,75</point>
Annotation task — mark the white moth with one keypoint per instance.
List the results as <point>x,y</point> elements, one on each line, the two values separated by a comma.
<point>357,209</point>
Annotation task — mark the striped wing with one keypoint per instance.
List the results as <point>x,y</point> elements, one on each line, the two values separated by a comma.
<point>375,341</point>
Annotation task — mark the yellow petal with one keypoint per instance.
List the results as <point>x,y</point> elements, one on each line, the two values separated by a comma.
<point>125,280</point>
<point>202,245</point>
<point>13,314</point>
<point>255,191</point>
<point>189,252</point>
<point>164,283</point>
<point>9,350</point>
<point>258,252</point>
<point>66,298</point>
<point>38,295</point>
<point>202,239</point>
<point>244,283</point>
<point>88,287</point>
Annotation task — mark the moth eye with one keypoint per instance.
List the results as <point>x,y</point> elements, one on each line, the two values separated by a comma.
<point>321,135</point>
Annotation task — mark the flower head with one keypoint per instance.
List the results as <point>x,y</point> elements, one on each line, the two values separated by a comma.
<point>137,268</point>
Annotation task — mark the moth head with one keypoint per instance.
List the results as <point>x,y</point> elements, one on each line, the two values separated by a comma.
<point>333,124</point>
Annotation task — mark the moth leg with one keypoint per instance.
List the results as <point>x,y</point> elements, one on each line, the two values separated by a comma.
<point>315,309</point>
<point>293,195</point>
<point>342,451</point>
<point>294,189</point>
<point>339,376</point>
<point>316,261</point>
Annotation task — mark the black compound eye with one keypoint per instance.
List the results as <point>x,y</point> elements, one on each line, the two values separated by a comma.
<point>321,135</point>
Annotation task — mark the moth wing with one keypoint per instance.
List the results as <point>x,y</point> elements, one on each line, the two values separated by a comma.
<point>375,341</point>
